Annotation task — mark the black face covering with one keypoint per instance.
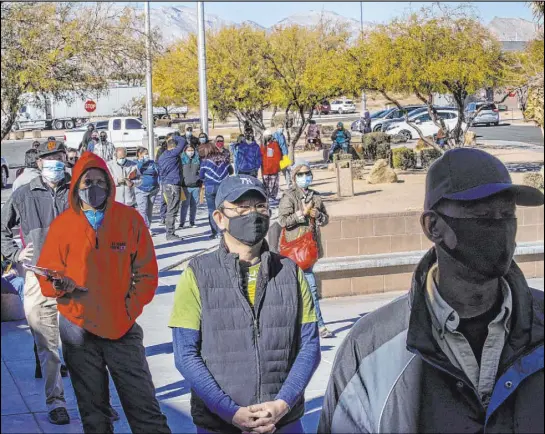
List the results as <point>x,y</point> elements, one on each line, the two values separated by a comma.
<point>249,229</point>
<point>484,245</point>
<point>94,196</point>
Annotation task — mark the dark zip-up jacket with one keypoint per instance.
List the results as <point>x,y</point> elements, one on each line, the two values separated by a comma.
<point>390,376</point>
<point>33,206</point>
<point>170,164</point>
<point>248,350</point>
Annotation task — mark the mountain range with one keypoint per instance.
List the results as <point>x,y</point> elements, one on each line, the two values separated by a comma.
<point>177,22</point>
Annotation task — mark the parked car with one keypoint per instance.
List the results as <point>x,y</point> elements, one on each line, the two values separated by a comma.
<point>488,114</point>
<point>425,123</point>
<point>127,132</point>
<point>378,122</point>
<point>412,114</point>
<point>343,106</point>
<point>5,173</point>
<point>323,108</point>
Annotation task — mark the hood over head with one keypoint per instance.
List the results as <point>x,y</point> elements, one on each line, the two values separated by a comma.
<point>87,161</point>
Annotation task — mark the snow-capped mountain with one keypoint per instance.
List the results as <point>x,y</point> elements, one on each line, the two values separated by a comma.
<point>177,22</point>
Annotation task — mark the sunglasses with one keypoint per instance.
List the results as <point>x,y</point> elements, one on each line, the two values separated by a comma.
<point>303,174</point>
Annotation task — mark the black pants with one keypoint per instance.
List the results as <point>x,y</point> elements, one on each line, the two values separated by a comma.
<point>172,195</point>
<point>87,356</point>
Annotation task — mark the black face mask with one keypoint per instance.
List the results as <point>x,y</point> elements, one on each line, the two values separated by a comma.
<point>94,196</point>
<point>249,229</point>
<point>484,245</point>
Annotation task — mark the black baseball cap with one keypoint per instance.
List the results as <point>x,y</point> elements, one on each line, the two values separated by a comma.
<point>233,187</point>
<point>467,174</point>
<point>51,146</point>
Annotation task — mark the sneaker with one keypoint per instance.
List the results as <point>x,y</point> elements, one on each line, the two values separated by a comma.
<point>325,333</point>
<point>174,237</point>
<point>114,415</point>
<point>64,371</point>
<point>212,237</point>
<point>59,416</point>
<point>193,225</point>
<point>162,221</point>
<point>181,226</point>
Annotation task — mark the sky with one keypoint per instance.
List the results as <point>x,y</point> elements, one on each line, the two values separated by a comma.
<point>269,13</point>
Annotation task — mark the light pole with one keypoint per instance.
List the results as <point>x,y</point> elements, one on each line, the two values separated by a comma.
<point>149,90</point>
<point>202,68</point>
<point>363,96</point>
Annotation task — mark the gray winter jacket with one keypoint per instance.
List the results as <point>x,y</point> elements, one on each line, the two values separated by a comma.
<point>33,206</point>
<point>24,178</point>
<point>123,193</point>
<point>290,214</point>
<point>390,376</point>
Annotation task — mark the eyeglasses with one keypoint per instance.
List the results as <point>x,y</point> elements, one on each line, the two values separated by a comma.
<point>99,182</point>
<point>261,208</point>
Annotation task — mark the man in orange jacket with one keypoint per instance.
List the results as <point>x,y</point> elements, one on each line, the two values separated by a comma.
<point>106,258</point>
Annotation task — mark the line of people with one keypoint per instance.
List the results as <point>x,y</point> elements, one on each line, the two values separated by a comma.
<point>467,340</point>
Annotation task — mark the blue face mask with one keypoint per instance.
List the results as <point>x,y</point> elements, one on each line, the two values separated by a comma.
<point>53,171</point>
<point>121,161</point>
<point>188,134</point>
<point>202,140</point>
<point>303,181</point>
<point>145,158</point>
<point>94,218</point>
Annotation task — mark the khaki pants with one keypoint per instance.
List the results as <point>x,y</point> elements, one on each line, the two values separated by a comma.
<point>42,317</point>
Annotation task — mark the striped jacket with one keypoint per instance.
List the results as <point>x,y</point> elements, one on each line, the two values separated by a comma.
<point>213,171</point>
<point>390,376</point>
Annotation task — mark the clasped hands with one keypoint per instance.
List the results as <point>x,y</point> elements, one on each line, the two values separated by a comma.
<point>260,418</point>
<point>309,210</point>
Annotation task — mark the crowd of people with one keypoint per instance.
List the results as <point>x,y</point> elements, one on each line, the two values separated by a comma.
<point>461,352</point>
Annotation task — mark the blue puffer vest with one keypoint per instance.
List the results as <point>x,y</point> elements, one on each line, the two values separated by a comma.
<point>249,351</point>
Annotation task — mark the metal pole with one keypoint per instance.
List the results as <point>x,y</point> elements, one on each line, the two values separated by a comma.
<point>149,90</point>
<point>202,68</point>
<point>363,96</point>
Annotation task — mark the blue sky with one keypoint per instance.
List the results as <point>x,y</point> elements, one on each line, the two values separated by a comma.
<point>269,13</point>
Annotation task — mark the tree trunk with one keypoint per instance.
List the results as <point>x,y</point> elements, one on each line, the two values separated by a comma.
<point>9,115</point>
<point>302,125</point>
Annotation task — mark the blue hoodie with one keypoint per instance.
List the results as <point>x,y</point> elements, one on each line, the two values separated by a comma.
<point>149,175</point>
<point>281,139</point>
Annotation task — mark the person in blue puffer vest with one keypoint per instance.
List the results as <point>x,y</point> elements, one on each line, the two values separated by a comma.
<point>248,157</point>
<point>147,186</point>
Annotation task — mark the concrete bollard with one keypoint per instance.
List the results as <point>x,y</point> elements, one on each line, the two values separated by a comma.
<point>12,135</point>
<point>19,135</point>
<point>36,134</point>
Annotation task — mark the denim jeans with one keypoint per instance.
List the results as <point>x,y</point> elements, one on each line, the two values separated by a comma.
<point>292,428</point>
<point>144,203</point>
<point>311,279</point>
<point>210,192</point>
<point>89,358</point>
<point>190,204</point>
<point>336,145</point>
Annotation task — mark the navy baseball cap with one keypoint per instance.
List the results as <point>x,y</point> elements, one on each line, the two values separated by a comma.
<point>233,187</point>
<point>51,146</point>
<point>471,174</point>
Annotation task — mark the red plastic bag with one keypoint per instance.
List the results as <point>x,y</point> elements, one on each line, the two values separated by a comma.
<point>303,250</point>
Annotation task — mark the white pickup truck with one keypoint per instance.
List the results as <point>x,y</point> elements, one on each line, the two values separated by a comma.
<point>127,132</point>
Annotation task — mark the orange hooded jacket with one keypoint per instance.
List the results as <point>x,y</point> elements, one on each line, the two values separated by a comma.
<point>116,264</point>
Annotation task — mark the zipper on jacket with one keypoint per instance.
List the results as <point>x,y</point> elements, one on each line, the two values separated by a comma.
<point>256,333</point>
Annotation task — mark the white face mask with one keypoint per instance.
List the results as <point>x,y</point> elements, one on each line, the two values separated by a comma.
<point>190,154</point>
<point>53,171</point>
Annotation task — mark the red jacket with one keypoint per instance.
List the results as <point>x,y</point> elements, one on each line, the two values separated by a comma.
<point>116,264</point>
<point>270,157</point>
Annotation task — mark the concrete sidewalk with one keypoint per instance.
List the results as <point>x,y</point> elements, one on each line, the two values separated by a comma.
<point>23,404</point>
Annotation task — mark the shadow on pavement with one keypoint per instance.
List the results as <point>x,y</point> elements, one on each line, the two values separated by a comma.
<point>164,348</point>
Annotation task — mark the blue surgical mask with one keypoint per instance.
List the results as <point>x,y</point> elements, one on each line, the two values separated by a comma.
<point>202,140</point>
<point>94,218</point>
<point>303,181</point>
<point>53,171</point>
<point>145,158</point>
<point>121,161</point>
<point>188,133</point>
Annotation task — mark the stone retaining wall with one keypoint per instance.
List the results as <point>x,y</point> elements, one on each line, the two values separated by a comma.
<point>399,232</point>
